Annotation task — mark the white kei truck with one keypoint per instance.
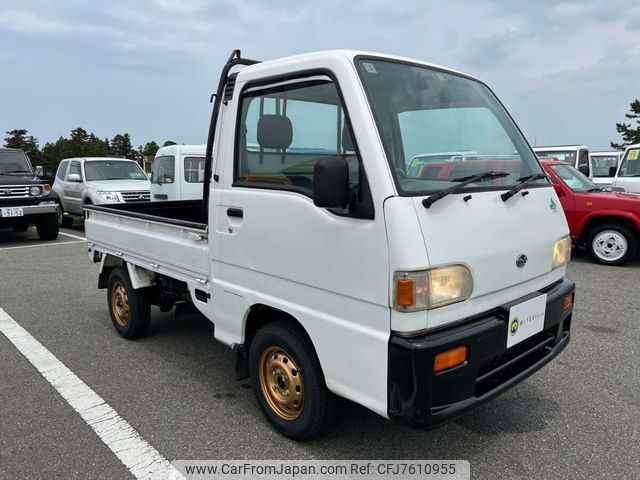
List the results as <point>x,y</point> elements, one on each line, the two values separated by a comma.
<point>331,272</point>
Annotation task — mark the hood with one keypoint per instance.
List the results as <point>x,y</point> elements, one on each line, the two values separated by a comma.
<point>15,179</point>
<point>120,185</point>
<point>487,235</point>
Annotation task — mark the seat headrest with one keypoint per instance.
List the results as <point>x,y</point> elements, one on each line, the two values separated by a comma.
<point>275,131</point>
<point>347,140</point>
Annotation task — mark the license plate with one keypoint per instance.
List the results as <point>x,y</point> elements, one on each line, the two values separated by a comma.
<point>526,319</point>
<point>12,212</point>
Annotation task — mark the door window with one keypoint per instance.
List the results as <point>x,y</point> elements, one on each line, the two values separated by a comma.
<point>163,169</point>
<point>62,170</point>
<point>74,167</point>
<point>194,169</point>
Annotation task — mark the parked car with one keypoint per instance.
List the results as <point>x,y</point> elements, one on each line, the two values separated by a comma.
<point>604,166</point>
<point>25,197</point>
<point>178,173</point>
<point>328,269</point>
<point>628,175</point>
<point>606,223</point>
<point>576,155</point>
<point>97,181</point>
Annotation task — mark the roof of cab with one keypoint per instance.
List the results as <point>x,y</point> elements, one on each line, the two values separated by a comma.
<point>559,148</point>
<point>93,159</point>
<point>181,150</point>
<point>321,58</point>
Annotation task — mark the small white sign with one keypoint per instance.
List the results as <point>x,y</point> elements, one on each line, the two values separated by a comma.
<point>12,212</point>
<point>526,319</point>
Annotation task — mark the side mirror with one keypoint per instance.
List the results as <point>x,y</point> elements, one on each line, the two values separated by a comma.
<point>39,171</point>
<point>331,183</point>
<point>584,169</point>
<point>612,171</point>
<point>559,190</point>
<point>74,177</point>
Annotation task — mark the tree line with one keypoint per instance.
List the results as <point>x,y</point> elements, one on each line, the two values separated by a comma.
<point>80,143</point>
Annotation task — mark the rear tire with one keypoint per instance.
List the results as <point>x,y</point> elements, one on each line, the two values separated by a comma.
<point>130,309</point>
<point>288,382</point>
<point>612,245</point>
<point>48,226</point>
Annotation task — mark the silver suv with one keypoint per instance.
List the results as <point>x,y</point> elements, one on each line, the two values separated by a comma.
<point>97,181</point>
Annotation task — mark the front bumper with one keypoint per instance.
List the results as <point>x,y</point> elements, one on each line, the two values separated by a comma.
<point>422,398</point>
<point>28,210</point>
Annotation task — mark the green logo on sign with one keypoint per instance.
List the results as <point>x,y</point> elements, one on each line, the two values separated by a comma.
<point>513,328</point>
<point>552,204</point>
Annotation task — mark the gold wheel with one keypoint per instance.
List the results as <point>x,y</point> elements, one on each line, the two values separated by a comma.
<point>120,304</point>
<point>281,383</point>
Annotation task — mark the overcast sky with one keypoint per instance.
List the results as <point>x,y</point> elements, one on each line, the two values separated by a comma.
<point>566,71</point>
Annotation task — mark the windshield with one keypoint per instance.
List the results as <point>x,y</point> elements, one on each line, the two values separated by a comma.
<point>438,127</point>
<point>113,170</point>
<point>601,164</point>
<point>14,161</point>
<point>630,166</point>
<point>575,180</point>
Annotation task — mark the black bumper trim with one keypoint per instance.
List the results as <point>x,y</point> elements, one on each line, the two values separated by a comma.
<point>420,397</point>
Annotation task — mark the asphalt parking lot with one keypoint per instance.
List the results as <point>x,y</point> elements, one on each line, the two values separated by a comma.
<point>579,417</point>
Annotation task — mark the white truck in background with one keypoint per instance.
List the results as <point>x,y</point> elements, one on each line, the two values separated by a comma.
<point>177,173</point>
<point>604,166</point>
<point>330,271</point>
<point>628,175</point>
<point>575,155</point>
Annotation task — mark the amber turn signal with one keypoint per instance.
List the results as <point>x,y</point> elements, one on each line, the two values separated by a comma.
<point>449,358</point>
<point>567,302</point>
<point>404,292</point>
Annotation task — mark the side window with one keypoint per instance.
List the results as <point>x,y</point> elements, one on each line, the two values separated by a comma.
<point>284,130</point>
<point>74,167</point>
<point>194,169</point>
<point>163,169</point>
<point>583,159</point>
<point>62,170</point>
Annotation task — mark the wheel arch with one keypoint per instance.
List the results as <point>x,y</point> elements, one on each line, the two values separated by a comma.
<point>257,316</point>
<point>596,221</point>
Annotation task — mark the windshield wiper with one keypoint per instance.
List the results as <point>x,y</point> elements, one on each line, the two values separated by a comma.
<point>524,181</point>
<point>594,189</point>
<point>464,181</point>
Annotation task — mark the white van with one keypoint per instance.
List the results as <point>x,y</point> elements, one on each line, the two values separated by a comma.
<point>628,175</point>
<point>575,155</point>
<point>178,173</point>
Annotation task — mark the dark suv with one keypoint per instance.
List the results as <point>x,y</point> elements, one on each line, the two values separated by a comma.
<point>25,198</point>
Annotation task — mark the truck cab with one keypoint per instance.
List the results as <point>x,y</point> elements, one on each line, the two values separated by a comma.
<point>628,175</point>
<point>604,166</point>
<point>25,198</point>
<point>177,173</point>
<point>575,155</point>
<point>330,267</point>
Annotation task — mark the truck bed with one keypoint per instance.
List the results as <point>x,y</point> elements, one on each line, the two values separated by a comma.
<point>164,237</point>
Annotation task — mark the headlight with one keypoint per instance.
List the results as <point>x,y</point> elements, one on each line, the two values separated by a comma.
<point>35,191</point>
<point>561,252</point>
<point>432,288</point>
<point>108,196</point>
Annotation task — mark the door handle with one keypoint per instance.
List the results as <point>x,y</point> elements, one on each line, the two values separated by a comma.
<point>235,212</point>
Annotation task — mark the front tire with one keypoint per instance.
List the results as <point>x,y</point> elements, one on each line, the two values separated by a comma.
<point>288,382</point>
<point>48,226</point>
<point>612,245</point>
<point>130,309</point>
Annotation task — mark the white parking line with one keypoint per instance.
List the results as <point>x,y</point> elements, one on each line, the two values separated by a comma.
<point>42,245</point>
<point>72,236</point>
<point>142,460</point>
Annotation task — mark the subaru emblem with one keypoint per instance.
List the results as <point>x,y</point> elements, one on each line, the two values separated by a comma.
<point>521,261</point>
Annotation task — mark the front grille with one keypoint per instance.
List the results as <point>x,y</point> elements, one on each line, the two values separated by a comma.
<point>515,360</point>
<point>14,191</point>
<point>138,196</point>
